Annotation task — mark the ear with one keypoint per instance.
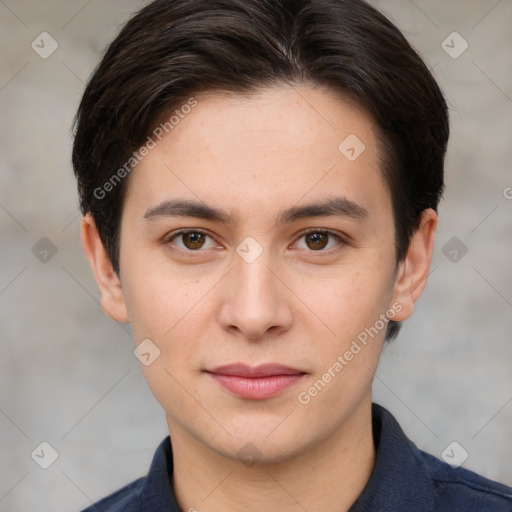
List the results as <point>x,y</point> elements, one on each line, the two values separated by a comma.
<point>413,271</point>
<point>112,298</point>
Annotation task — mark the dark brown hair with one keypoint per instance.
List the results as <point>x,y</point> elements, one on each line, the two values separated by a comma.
<point>174,49</point>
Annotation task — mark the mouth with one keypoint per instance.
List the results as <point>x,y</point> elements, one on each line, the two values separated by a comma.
<point>256,382</point>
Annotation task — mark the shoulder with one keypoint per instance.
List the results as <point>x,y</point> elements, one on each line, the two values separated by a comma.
<point>461,489</point>
<point>152,492</point>
<point>406,478</point>
<point>126,499</point>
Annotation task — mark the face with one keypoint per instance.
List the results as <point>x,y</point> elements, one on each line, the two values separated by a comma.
<point>258,256</point>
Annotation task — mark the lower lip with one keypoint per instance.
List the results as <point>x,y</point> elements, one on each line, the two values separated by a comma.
<point>256,388</point>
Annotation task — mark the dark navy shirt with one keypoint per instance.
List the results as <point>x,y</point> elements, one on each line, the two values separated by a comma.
<point>403,479</point>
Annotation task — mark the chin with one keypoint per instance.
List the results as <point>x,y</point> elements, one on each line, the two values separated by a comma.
<point>254,443</point>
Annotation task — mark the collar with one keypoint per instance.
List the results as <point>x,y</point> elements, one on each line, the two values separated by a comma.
<point>157,494</point>
<point>400,478</point>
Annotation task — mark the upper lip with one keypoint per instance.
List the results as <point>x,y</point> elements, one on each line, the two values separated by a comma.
<point>264,370</point>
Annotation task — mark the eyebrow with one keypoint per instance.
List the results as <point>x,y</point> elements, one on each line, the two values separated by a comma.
<point>336,206</point>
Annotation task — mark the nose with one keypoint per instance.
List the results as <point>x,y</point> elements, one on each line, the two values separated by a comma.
<point>255,302</point>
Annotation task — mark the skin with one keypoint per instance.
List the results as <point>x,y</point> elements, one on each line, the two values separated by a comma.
<point>297,304</point>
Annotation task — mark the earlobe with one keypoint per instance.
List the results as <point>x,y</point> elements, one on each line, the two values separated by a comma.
<point>411,277</point>
<point>112,298</point>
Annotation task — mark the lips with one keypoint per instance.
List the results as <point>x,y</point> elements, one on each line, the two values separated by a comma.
<point>264,370</point>
<point>256,382</point>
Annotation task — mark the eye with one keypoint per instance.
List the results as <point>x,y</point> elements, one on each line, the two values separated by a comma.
<point>318,240</point>
<point>191,240</point>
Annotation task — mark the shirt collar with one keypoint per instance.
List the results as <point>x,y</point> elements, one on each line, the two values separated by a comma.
<point>157,493</point>
<point>399,480</point>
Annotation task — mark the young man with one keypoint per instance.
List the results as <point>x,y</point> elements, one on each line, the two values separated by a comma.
<point>259,181</point>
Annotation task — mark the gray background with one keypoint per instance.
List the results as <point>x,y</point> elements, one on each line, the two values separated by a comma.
<point>68,374</point>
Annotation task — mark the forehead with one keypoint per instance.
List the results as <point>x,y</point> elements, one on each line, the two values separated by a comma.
<point>279,145</point>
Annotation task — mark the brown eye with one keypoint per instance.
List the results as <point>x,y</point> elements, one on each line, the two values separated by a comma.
<point>316,241</point>
<point>193,240</point>
<point>321,241</point>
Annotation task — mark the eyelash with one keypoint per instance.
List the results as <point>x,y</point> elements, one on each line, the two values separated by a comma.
<point>341,240</point>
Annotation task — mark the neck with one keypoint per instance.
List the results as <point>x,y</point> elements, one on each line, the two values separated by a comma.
<point>328,476</point>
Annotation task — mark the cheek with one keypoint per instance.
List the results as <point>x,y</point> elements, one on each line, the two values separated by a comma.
<point>350,300</point>
<point>174,310</point>
<point>157,296</point>
<point>347,354</point>
<point>168,310</point>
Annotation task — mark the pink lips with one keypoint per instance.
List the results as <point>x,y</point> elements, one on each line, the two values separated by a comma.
<point>256,383</point>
